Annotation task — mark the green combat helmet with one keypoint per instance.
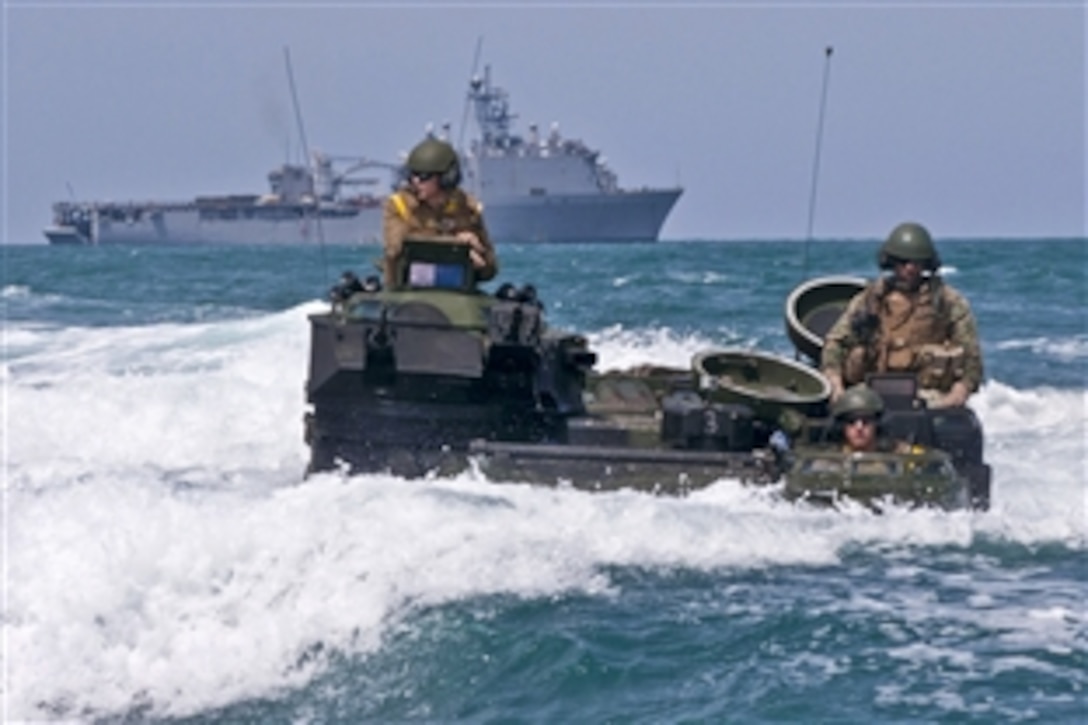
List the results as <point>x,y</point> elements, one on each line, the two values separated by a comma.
<point>431,156</point>
<point>909,241</point>
<point>858,399</point>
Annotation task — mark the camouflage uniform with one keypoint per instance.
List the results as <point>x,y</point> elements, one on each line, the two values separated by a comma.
<point>930,331</point>
<point>405,215</point>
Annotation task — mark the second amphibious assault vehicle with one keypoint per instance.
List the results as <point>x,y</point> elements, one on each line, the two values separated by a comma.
<point>432,375</point>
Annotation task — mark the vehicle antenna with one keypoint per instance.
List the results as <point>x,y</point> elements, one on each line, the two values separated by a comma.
<point>464,113</point>
<point>816,162</point>
<point>308,161</point>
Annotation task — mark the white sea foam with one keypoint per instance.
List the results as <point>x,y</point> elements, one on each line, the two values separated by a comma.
<point>618,347</point>
<point>10,291</point>
<point>163,546</point>
<point>1065,349</point>
<point>700,277</point>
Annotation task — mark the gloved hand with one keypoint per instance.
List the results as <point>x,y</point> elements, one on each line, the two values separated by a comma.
<point>956,397</point>
<point>836,384</point>
<point>476,252</point>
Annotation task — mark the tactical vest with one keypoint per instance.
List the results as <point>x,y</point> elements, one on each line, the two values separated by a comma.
<point>459,213</point>
<point>911,335</point>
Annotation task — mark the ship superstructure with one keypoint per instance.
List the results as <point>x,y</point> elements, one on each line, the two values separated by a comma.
<point>545,188</point>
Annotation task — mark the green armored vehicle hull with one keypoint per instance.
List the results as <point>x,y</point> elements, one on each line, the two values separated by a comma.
<point>433,376</point>
<point>921,478</point>
<point>956,433</point>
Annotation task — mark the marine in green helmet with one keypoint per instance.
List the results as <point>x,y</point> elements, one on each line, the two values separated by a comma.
<point>859,399</point>
<point>432,204</point>
<point>909,320</point>
<point>857,414</point>
<point>856,431</point>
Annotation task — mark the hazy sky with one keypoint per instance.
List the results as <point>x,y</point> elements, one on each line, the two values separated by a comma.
<point>969,117</point>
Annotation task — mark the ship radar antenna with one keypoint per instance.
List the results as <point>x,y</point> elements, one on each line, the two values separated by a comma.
<point>473,81</point>
<point>816,161</point>
<point>306,152</point>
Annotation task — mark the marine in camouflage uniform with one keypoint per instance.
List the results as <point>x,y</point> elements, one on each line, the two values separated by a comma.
<point>856,416</point>
<point>862,403</point>
<point>445,211</point>
<point>901,323</point>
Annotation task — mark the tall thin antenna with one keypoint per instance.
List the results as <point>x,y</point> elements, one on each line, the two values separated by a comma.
<point>464,113</point>
<point>306,150</point>
<point>816,162</point>
<point>294,102</point>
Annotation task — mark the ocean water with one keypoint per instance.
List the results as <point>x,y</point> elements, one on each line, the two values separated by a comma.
<point>165,561</point>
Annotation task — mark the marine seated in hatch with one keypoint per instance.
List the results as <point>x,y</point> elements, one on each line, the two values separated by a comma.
<point>909,320</point>
<point>432,204</point>
<point>856,426</point>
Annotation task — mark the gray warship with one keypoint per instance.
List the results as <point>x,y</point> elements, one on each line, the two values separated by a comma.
<point>535,189</point>
<point>316,203</point>
<point>548,188</point>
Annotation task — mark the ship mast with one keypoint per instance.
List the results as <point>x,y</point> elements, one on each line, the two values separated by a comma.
<point>464,114</point>
<point>492,108</point>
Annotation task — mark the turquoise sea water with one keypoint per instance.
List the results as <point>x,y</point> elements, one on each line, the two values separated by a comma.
<point>164,561</point>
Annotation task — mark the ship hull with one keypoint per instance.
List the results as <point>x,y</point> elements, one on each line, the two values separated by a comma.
<point>189,226</point>
<point>635,216</point>
<point>65,236</point>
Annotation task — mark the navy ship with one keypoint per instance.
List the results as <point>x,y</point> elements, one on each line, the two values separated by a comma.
<point>551,189</point>
<point>534,189</point>
<point>305,204</point>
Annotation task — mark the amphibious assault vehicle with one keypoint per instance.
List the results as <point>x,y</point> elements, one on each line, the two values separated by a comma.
<point>430,375</point>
